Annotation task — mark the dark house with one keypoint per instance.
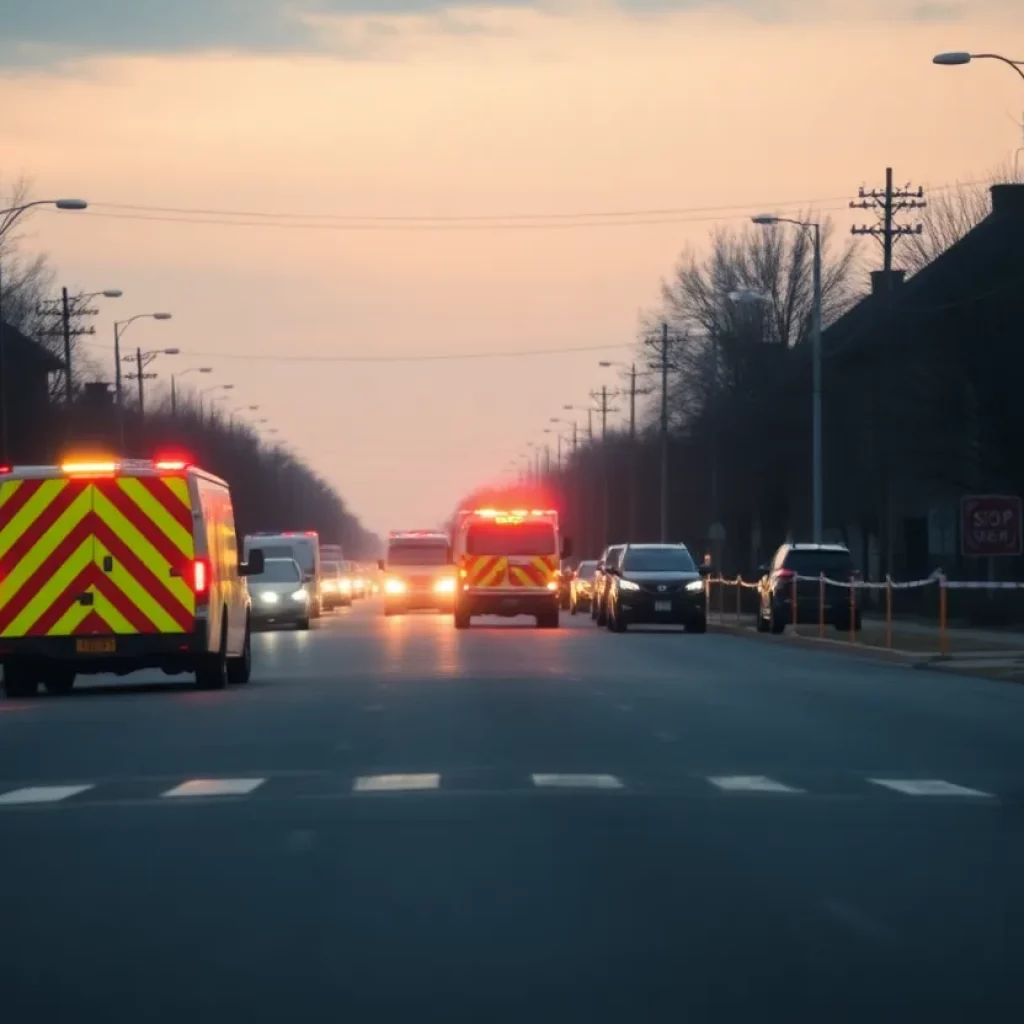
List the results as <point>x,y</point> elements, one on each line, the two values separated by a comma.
<point>26,393</point>
<point>922,402</point>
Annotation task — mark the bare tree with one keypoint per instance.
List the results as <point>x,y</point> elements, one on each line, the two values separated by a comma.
<point>951,213</point>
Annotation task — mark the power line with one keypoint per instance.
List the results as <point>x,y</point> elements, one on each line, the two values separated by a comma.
<point>430,357</point>
<point>469,222</point>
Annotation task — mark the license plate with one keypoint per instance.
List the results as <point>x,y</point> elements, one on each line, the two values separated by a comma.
<point>103,645</point>
<point>663,606</point>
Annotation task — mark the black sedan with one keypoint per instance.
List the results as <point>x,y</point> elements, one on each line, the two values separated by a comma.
<point>656,584</point>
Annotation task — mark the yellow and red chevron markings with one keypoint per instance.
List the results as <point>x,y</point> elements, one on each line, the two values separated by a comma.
<point>485,570</point>
<point>537,573</point>
<point>127,541</point>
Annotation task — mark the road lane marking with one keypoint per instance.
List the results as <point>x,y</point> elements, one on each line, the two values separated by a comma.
<point>41,794</point>
<point>928,787</point>
<point>396,783</point>
<point>214,787</point>
<point>750,784</point>
<point>623,707</point>
<point>556,781</point>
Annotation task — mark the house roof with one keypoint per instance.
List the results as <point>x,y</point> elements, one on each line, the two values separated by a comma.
<point>986,263</point>
<point>20,348</point>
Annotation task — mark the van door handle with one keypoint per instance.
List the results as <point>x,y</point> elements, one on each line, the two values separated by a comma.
<point>108,563</point>
<point>86,599</point>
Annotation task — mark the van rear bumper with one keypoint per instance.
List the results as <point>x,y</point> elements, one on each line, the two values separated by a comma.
<point>508,602</point>
<point>171,652</point>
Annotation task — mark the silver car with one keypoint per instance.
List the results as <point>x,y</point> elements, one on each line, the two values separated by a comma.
<point>278,596</point>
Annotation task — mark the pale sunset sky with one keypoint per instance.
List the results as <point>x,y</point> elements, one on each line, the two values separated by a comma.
<point>345,109</point>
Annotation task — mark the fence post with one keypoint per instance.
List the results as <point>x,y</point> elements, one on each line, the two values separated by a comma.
<point>853,611</point>
<point>821,606</point>
<point>943,617</point>
<point>888,611</point>
<point>795,620</point>
<point>739,599</point>
<point>721,600</point>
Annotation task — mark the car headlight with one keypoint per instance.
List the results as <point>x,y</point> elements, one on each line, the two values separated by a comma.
<point>445,586</point>
<point>329,585</point>
<point>269,598</point>
<point>346,585</point>
<point>695,585</point>
<point>300,595</point>
<point>628,585</point>
<point>553,585</point>
<point>394,587</point>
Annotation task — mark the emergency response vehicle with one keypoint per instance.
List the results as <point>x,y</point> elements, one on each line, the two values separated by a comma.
<point>304,547</point>
<point>115,566</point>
<point>418,571</point>
<point>509,563</point>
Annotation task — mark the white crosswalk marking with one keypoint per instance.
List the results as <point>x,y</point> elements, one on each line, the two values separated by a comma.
<point>214,787</point>
<point>396,783</point>
<point>41,794</point>
<point>928,787</point>
<point>556,781</point>
<point>750,784</point>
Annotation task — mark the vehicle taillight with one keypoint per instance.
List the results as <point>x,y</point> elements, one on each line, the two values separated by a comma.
<point>784,574</point>
<point>6,469</point>
<point>201,579</point>
<point>171,465</point>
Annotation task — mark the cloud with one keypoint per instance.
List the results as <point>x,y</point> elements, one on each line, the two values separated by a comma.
<point>938,11</point>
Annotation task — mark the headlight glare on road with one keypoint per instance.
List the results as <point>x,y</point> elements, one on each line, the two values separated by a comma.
<point>628,585</point>
<point>445,586</point>
<point>300,595</point>
<point>394,587</point>
<point>695,586</point>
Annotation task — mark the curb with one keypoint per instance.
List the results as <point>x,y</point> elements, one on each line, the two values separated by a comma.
<point>946,663</point>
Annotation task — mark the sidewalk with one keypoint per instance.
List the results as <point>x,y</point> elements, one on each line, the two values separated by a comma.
<point>992,654</point>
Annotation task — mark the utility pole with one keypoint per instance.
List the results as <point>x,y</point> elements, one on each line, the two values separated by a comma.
<point>174,398</point>
<point>888,202</point>
<point>67,308</point>
<point>663,532</point>
<point>590,426</point>
<point>138,369</point>
<point>605,483</point>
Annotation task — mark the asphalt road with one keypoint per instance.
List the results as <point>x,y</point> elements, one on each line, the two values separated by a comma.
<point>397,822</point>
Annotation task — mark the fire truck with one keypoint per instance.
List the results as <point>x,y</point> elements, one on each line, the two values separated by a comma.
<point>508,563</point>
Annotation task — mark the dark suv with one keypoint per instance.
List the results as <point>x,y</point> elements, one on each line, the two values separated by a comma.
<point>775,610</point>
<point>609,560</point>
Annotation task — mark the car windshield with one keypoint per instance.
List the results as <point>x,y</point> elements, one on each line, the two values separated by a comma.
<point>278,570</point>
<point>511,539</point>
<point>835,564</point>
<point>417,554</point>
<point>667,559</point>
<point>586,570</point>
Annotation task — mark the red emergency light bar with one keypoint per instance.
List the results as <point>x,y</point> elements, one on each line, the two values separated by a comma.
<point>522,513</point>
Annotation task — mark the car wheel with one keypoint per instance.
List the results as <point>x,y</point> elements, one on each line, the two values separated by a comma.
<point>698,625</point>
<point>777,623</point>
<point>59,681</point>
<point>461,619</point>
<point>602,614</point>
<point>212,670</point>
<point>240,669</point>
<point>615,619</point>
<point>302,624</point>
<point>548,620</point>
<point>20,680</point>
<point>573,607</point>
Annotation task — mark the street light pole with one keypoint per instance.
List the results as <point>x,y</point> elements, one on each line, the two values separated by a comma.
<point>663,530</point>
<point>120,326</point>
<point>7,219</point>
<point>951,59</point>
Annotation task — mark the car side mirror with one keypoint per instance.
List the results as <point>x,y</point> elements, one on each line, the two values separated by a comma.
<point>613,571</point>
<point>380,564</point>
<point>599,567</point>
<point>567,547</point>
<point>254,565</point>
<point>704,569</point>
<point>762,570</point>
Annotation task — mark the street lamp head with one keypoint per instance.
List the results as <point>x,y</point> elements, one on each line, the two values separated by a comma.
<point>70,204</point>
<point>170,351</point>
<point>161,316</point>
<point>747,295</point>
<point>228,387</point>
<point>605,363</point>
<point>953,59</point>
<point>204,369</point>
<point>253,408</point>
<point>765,219</point>
<point>112,293</point>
